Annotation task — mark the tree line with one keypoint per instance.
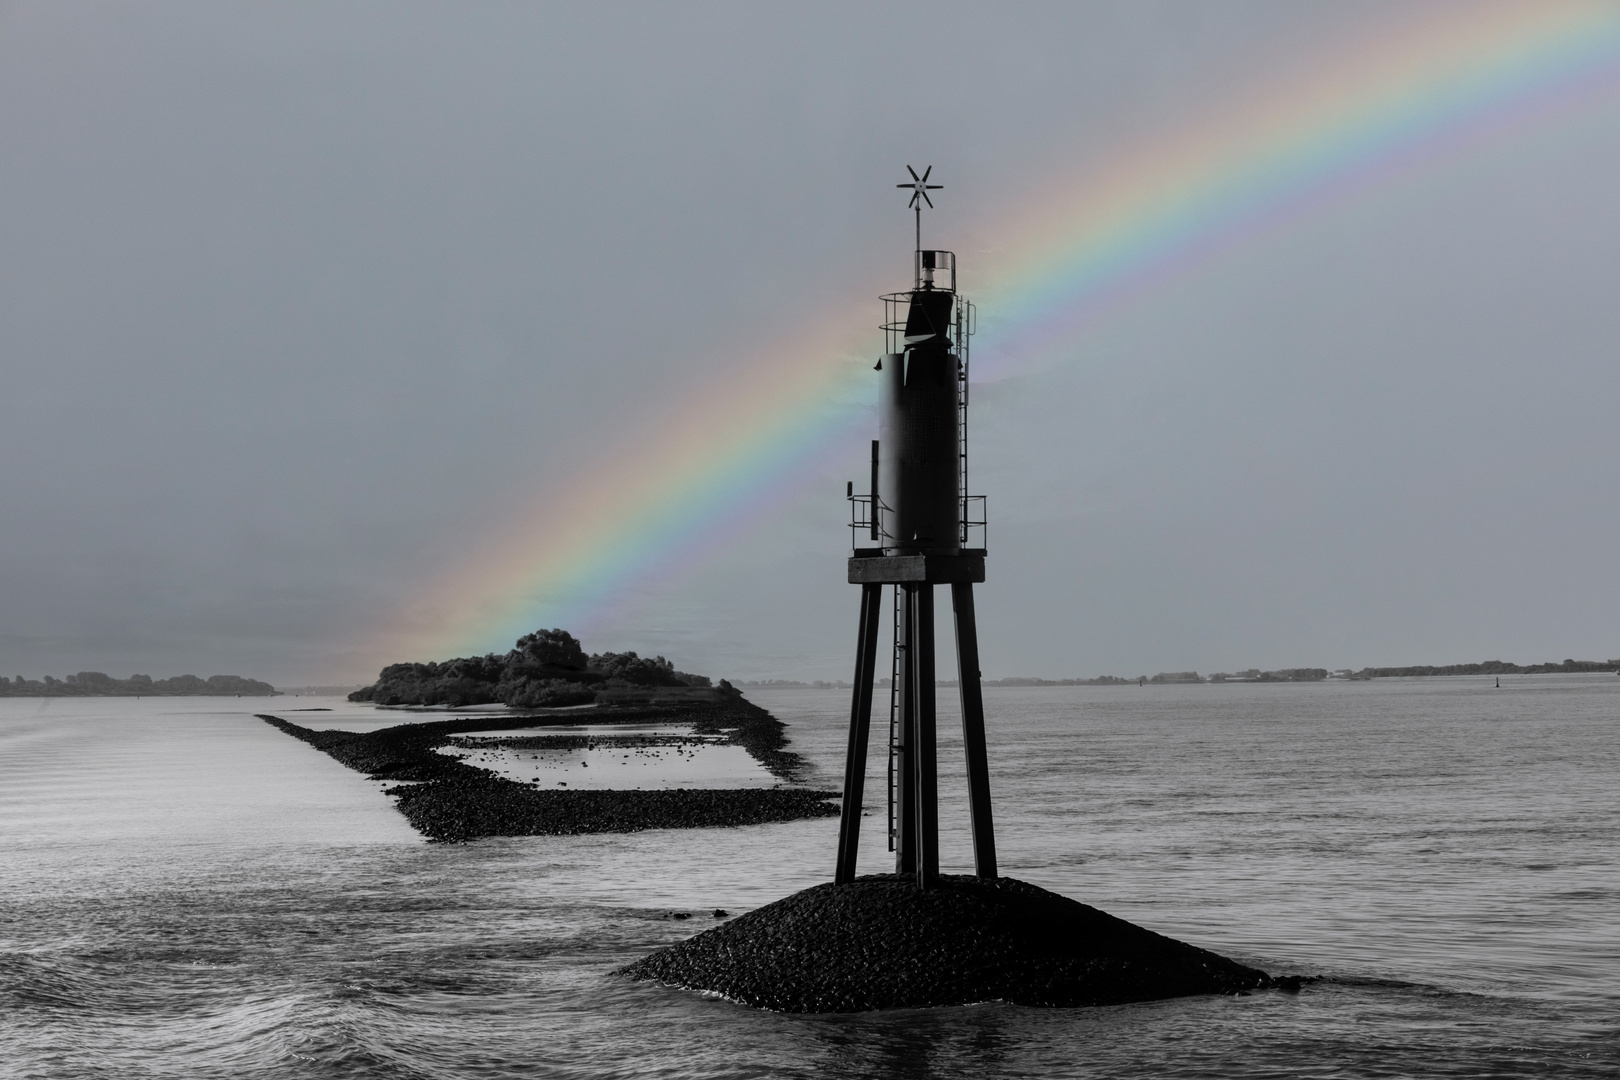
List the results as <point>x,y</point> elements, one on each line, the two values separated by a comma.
<point>1487,667</point>
<point>100,684</point>
<point>1493,667</point>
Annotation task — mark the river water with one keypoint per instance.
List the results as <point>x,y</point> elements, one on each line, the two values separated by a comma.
<point>186,892</point>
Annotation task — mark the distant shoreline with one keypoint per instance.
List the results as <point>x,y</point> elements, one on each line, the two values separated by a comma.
<point>98,684</point>
<point>1253,675</point>
<point>153,693</point>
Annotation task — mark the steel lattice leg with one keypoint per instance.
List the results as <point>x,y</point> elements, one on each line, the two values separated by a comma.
<point>973,748</point>
<point>860,725</point>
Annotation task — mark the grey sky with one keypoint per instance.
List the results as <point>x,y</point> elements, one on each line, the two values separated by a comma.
<point>297,298</point>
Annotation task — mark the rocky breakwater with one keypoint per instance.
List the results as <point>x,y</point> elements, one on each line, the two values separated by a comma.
<point>880,943</point>
<point>449,800</point>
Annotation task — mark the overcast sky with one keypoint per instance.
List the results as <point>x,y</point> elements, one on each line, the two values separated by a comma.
<point>297,299</point>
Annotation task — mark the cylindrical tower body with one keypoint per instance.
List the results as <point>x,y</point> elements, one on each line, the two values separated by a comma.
<point>919,436</point>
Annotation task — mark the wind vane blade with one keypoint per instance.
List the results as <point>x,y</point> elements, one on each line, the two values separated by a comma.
<point>920,187</point>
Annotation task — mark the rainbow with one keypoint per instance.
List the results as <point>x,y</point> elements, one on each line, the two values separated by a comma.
<point>1420,91</point>
<point>1412,92</point>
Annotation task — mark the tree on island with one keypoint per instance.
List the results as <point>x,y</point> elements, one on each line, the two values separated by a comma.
<point>547,668</point>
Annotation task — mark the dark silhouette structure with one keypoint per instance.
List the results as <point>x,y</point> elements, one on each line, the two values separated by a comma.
<point>919,522</point>
<point>917,938</point>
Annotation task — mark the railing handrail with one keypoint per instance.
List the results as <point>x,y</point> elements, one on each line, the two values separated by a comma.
<point>860,520</point>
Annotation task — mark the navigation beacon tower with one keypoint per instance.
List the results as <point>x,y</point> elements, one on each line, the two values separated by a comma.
<point>920,522</point>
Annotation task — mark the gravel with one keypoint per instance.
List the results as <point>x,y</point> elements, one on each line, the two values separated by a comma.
<point>880,943</point>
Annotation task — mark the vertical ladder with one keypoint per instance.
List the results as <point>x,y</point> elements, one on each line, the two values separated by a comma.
<point>894,702</point>
<point>962,458</point>
<point>964,330</point>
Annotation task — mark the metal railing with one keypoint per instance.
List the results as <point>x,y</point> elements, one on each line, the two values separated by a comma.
<point>864,532</point>
<point>975,523</point>
<point>863,526</point>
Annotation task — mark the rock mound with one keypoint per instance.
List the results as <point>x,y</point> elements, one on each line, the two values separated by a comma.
<point>880,943</point>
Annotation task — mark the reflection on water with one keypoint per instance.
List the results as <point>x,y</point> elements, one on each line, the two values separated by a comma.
<point>188,892</point>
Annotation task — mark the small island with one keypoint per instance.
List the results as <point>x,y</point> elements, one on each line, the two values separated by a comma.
<point>99,684</point>
<point>545,669</point>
